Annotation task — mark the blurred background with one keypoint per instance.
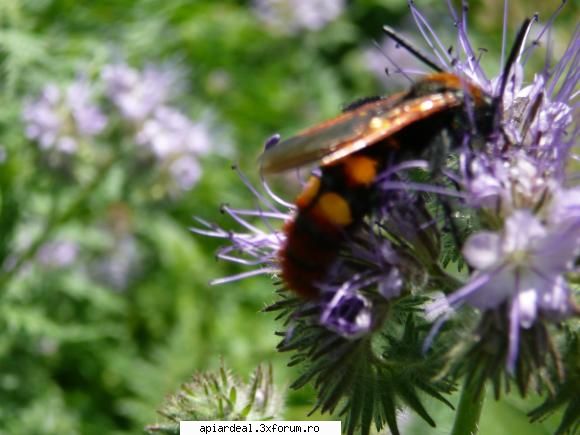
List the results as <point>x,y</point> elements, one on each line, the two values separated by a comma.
<point>119,122</point>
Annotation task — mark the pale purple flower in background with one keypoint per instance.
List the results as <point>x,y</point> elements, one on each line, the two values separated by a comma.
<point>137,94</point>
<point>166,133</point>
<point>185,171</point>
<point>43,122</point>
<point>169,132</point>
<point>59,118</point>
<point>119,265</point>
<point>291,16</point>
<point>47,346</point>
<point>89,119</point>
<point>62,117</point>
<point>176,142</point>
<point>58,253</point>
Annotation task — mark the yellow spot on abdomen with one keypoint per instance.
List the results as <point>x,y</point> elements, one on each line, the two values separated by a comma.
<point>379,123</point>
<point>334,209</point>
<point>309,192</point>
<point>360,170</point>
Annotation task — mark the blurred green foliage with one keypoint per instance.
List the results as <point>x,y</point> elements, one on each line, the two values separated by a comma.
<point>79,356</point>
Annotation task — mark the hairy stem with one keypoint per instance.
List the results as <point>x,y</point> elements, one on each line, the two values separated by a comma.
<point>469,409</point>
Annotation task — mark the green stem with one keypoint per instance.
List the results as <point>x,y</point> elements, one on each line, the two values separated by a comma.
<point>469,410</point>
<point>55,221</point>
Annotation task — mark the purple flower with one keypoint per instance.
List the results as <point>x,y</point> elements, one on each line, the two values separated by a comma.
<point>185,171</point>
<point>59,119</point>
<point>137,94</point>
<point>502,185</point>
<point>57,254</point>
<point>254,244</point>
<point>88,118</point>
<point>176,142</point>
<point>347,313</point>
<point>119,265</point>
<point>169,132</point>
<point>517,185</point>
<point>525,266</point>
<point>42,119</point>
<point>295,15</point>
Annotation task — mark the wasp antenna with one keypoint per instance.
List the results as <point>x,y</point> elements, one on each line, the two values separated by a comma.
<point>511,60</point>
<point>515,52</point>
<point>391,33</point>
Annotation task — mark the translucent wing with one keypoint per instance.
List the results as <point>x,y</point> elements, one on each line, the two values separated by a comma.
<point>354,130</point>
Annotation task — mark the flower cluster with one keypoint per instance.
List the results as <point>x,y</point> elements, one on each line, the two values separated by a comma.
<point>60,118</point>
<point>63,118</point>
<point>505,204</point>
<point>58,253</point>
<point>293,16</point>
<point>137,94</point>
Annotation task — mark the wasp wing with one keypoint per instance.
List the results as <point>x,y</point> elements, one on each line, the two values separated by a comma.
<point>354,130</point>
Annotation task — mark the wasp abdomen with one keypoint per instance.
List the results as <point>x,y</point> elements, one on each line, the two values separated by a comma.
<point>328,209</point>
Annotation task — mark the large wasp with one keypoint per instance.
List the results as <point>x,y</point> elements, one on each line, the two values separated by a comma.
<point>356,146</point>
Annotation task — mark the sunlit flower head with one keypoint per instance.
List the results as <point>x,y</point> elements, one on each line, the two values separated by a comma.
<point>529,243</point>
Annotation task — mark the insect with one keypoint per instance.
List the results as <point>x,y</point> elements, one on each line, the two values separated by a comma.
<point>352,150</point>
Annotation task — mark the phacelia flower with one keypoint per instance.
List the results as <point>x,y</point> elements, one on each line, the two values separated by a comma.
<point>171,140</point>
<point>137,94</point>
<point>119,265</point>
<point>60,118</point>
<point>527,244</point>
<point>176,142</point>
<point>524,264</point>
<point>185,171</point>
<point>294,15</point>
<point>58,253</point>
<point>169,132</point>
<point>347,313</point>
<point>505,203</point>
